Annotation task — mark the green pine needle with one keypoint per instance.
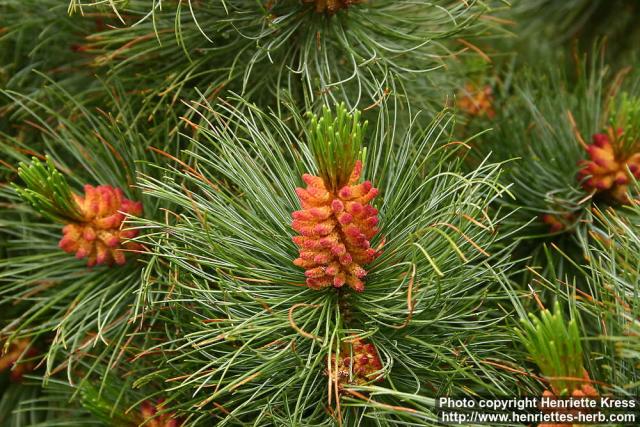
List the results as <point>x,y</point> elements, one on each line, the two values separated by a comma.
<point>625,116</point>
<point>555,346</point>
<point>336,142</point>
<point>47,190</point>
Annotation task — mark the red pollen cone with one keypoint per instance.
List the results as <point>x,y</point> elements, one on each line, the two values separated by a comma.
<point>99,237</point>
<point>335,232</point>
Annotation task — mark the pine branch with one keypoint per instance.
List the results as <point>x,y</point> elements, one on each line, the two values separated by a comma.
<point>352,56</point>
<point>44,291</point>
<point>247,323</point>
<point>556,130</point>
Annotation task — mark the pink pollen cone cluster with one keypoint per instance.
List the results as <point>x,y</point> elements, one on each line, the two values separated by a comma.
<point>584,390</point>
<point>358,365</point>
<point>99,236</point>
<point>149,410</point>
<point>606,171</point>
<point>335,232</point>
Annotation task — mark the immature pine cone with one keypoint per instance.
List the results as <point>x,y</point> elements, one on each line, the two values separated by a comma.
<point>357,364</point>
<point>607,169</point>
<point>336,230</point>
<point>99,236</point>
<point>475,101</point>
